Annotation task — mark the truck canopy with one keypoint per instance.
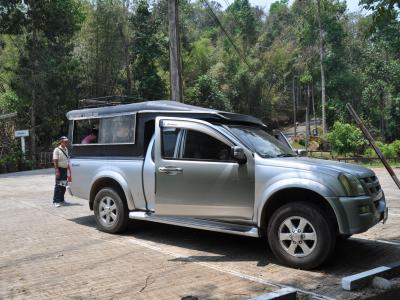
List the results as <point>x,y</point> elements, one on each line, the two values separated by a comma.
<point>161,106</point>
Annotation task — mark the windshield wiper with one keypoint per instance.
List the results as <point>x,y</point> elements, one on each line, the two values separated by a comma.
<point>285,155</point>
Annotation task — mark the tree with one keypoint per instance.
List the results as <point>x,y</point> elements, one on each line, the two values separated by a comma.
<point>104,50</point>
<point>381,79</point>
<point>384,11</point>
<point>346,138</point>
<point>243,22</point>
<point>385,23</point>
<point>53,53</point>
<point>146,49</point>
<point>206,93</point>
<point>45,78</point>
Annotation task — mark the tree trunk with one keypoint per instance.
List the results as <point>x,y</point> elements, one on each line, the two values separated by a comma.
<point>308,123</point>
<point>127,62</point>
<point>383,110</point>
<point>97,71</point>
<point>294,110</point>
<point>313,107</point>
<point>307,129</point>
<point>321,62</point>
<point>33,107</point>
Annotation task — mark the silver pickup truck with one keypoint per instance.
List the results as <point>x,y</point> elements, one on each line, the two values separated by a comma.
<point>173,163</point>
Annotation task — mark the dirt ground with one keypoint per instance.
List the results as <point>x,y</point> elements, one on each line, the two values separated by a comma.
<point>58,253</point>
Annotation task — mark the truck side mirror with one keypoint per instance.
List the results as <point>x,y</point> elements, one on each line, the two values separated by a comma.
<point>301,152</point>
<point>238,154</point>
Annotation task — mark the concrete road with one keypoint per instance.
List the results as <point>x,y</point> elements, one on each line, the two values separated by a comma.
<point>52,253</point>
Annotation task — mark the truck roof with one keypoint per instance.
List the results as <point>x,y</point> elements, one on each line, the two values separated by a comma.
<point>161,106</point>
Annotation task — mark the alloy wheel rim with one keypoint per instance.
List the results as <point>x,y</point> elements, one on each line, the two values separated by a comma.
<point>297,236</point>
<point>108,211</point>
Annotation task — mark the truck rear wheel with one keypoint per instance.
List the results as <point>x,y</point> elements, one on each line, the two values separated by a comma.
<point>110,211</point>
<point>300,235</point>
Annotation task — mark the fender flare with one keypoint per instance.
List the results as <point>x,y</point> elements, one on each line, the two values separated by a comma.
<point>110,174</point>
<point>305,184</point>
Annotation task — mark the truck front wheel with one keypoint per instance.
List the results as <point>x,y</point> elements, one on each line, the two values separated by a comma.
<point>300,235</point>
<point>110,211</point>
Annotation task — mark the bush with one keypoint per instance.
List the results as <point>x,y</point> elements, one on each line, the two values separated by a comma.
<point>388,150</point>
<point>370,152</point>
<point>206,93</point>
<point>396,146</point>
<point>346,138</point>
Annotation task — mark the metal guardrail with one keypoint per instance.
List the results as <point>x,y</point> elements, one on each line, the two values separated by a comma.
<point>367,160</point>
<point>356,159</point>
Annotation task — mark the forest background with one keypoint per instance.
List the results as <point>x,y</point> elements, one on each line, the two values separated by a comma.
<point>238,58</point>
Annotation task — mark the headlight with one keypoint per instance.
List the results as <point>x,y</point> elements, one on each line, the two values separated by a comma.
<point>351,185</point>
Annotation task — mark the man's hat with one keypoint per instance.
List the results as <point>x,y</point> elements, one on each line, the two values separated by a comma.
<point>63,138</point>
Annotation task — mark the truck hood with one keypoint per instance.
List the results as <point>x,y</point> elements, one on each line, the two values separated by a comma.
<point>329,167</point>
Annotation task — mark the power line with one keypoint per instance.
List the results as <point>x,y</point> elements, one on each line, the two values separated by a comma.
<point>230,11</point>
<point>226,33</point>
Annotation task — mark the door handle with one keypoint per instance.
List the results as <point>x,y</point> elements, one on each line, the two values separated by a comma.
<point>75,165</point>
<point>170,170</point>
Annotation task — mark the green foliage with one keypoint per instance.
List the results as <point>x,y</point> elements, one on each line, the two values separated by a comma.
<point>101,52</point>
<point>243,16</point>
<point>396,147</point>
<point>384,11</point>
<point>205,93</point>
<point>44,70</point>
<point>369,152</point>
<point>148,83</point>
<point>346,138</point>
<point>74,49</point>
<point>389,150</point>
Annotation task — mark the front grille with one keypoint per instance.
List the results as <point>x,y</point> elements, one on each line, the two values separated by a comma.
<point>372,184</point>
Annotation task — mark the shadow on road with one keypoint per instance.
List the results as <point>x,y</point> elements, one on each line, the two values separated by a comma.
<point>86,220</point>
<point>72,204</point>
<point>351,256</point>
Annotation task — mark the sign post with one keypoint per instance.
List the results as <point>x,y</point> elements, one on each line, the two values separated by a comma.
<point>22,134</point>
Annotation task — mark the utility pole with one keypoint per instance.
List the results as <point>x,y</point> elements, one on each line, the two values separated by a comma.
<point>33,95</point>
<point>321,62</point>
<point>174,52</point>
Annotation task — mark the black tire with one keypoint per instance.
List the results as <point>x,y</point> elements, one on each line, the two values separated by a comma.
<point>319,243</point>
<point>109,202</point>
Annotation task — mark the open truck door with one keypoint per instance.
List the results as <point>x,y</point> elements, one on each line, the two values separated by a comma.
<point>197,174</point>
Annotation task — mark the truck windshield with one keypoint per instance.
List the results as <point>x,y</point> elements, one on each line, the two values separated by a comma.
<point>261,142</point>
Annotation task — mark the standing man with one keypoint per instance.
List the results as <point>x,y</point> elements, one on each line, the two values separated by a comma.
<point>61,162</point>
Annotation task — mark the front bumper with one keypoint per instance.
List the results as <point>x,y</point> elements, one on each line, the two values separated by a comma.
<point>353,218</point>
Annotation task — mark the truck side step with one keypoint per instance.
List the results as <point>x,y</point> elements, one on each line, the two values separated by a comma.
<point>197,223</point>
